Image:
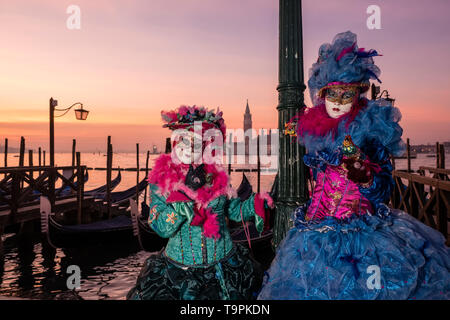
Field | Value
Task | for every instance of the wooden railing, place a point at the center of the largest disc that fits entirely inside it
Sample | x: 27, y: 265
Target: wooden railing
x: 425, y: 198
x: 18, y: 184
x: 437, y: 173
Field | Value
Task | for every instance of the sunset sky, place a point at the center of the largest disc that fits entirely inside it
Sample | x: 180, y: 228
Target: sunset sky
x: 133, y: 58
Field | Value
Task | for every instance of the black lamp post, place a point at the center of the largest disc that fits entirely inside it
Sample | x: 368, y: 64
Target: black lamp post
x: 377, y: 95
x: 292, y: 173
x: 80, y: 114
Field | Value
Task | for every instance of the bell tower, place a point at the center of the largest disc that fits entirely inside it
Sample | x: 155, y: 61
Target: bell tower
x: 247, y: 126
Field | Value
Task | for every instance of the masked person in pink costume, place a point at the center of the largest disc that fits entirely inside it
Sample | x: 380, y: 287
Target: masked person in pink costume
x: 190, y: 199
x: 347, y: 243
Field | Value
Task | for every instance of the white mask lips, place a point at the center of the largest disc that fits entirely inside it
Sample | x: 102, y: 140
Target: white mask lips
x: 336, y: 110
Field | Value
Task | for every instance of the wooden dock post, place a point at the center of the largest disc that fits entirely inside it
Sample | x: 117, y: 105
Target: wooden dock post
x: 168, y: 146
x: 30, y: 161
x: 43, y: 154
x: 108, y: 176
x: 22, y: 152
x: 230, y: 143
x: 40, y: 160
x: 146, y: 175
x: 437, y: 155
x: 74, y: 143
x: 408, y: 154
x: 22, y: 156
x: 51, y: 186
x: 80, y: 180
x: 441, y: 156
x: 6, y: 153
x: 26, y: 228
x: 258, y: 166
x: 137, y: 174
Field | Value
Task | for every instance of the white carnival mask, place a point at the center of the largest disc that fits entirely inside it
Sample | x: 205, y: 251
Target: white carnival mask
x: 335, y: 109
x: 339, y: 101
x: 189, y: 148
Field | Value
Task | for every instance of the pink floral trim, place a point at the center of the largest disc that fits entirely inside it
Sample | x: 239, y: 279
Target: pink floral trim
x: 209, y: 221
x: 176, y: 196
x: 169, y: 177
x: 316, y: 121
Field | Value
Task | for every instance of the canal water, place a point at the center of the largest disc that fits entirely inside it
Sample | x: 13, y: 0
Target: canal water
x: 33, y: 270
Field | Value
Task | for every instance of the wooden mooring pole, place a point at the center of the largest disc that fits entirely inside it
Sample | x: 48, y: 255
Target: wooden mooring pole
x: 437, y: 155
x: 108, y: 176
x: 258, y: 166
x: 80, y: 180
x: 146, y: 175
x: 22, y: 156
x: 30, y: 161
x: 408, y: 154
x: 40, y: 159
x: 168, y: 146
x: 22, y: 152
x: 230, y: 144
x: 6, y: 153
x: 137, y: 174
x: 441, y: 156
x: 74, y: 144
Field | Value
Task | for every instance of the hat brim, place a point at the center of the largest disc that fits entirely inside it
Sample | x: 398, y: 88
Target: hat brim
x: 363, y: 87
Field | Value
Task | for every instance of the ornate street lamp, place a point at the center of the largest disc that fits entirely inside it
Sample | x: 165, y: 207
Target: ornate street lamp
x: 377, y: 95
x: 80, y: 114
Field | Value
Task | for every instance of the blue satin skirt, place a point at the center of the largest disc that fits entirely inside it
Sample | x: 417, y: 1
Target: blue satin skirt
x: 390, y: 255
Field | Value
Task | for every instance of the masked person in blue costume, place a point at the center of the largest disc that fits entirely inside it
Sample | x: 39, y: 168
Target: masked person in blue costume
x: 347, y: 243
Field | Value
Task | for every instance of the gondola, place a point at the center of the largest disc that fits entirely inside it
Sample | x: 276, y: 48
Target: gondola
x: 117, y: 229
x: 100, y: 192
x: 67, y: 190
x: 123, y: 197
x: 7, y: 186
x: 148, y: 239
x: 246, y: 234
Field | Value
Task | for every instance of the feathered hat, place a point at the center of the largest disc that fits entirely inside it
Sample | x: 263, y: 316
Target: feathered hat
x: 342, y: 63
x: 185, y: 117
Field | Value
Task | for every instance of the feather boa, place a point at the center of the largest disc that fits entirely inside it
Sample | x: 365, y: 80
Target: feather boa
x: 170, y: 177
x: 316, y: 121
x: 379, y: 120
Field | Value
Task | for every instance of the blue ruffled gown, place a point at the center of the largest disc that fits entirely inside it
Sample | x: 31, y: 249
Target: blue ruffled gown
x: 378, y: 254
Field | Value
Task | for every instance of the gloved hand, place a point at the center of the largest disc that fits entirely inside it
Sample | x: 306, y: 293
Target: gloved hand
x: 358, y: 170
x: 195, y: 178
